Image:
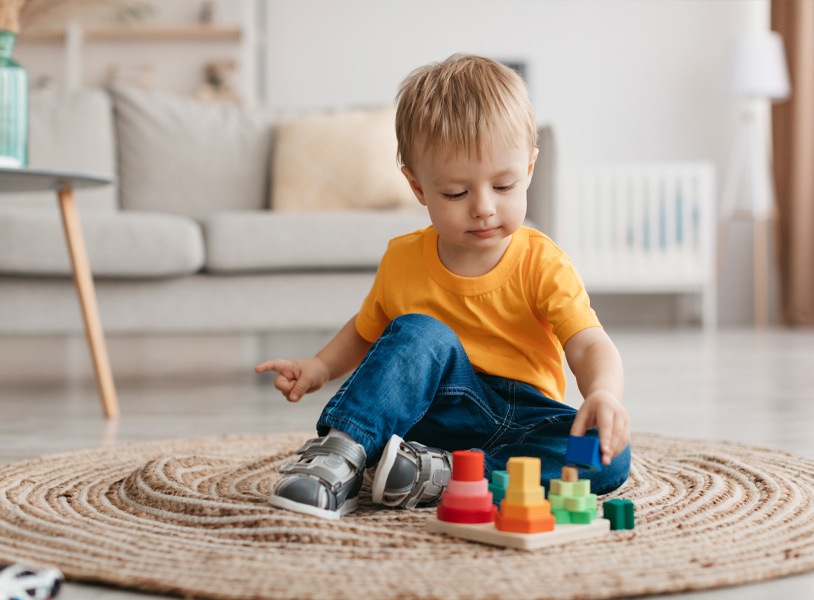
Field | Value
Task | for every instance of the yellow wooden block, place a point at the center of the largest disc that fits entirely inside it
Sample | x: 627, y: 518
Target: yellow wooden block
x: 525, y: 511
x: 524, y: 472
x: 525, y: 496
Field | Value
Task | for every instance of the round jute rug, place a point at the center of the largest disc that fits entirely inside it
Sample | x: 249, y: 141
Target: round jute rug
x: 189, y: 517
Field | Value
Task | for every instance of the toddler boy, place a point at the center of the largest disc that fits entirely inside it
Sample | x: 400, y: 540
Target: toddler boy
x: 459, y: 343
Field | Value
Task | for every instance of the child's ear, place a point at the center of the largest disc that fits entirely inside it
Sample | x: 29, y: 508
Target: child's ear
x: 415, y: 185
x: 531, y: 165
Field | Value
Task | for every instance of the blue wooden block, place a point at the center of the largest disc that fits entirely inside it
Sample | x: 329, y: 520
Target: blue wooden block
x: 583, y: 452
x: 620, y: 513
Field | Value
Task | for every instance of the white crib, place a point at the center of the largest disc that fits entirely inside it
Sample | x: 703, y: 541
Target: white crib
x: 642, y: 228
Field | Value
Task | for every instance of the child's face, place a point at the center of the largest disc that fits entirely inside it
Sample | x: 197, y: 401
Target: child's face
x: 475, y: 205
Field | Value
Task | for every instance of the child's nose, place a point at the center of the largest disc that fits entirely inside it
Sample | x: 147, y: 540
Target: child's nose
x: 482, y: 206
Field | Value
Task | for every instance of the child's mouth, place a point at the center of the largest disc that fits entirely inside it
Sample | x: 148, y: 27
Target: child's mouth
x: 484, y: 233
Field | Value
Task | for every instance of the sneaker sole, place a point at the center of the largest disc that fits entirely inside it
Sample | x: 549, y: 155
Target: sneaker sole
x: 348, y: 506
x: 391, y: 451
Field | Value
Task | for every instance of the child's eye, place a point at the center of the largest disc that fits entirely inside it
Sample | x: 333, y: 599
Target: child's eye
x: 454, y: 196
x: 504, y: 188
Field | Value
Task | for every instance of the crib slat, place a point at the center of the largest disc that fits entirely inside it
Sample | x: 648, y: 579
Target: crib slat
x: 653, y: 211
x: 604, y: 230
x: 688, y: 187
x: 644, y: 225
x: 669, y: 216
x: 638, y: 185
x: 621, y: 246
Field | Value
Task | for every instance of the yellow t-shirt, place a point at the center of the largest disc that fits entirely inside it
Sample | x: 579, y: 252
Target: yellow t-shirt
x: 512, y: 321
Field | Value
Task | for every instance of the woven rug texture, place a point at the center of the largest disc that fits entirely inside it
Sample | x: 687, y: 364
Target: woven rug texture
x: 189, y: 517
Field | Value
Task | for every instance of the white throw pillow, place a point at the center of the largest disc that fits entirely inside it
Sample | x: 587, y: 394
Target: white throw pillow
x: 339, y: 160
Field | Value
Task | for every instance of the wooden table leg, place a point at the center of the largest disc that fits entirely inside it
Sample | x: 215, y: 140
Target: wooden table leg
x: 87, y: 298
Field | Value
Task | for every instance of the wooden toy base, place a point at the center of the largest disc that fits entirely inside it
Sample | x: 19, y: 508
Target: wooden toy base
x: 487, y: 533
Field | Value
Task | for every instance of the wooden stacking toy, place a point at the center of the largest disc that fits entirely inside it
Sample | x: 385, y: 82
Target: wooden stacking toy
x: 467, y: 498
x: 572, y: 501
x: 524, y: 509
x: 525, y: 520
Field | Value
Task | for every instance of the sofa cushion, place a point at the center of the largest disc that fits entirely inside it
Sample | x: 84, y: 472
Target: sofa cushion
x: 338, y: 160
x: 70, y: 131
x: 249, y: 241
x: 183, y: 156
x: 119, y: 245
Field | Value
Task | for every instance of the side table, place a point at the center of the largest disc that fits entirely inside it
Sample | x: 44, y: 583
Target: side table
x: 16, y: 180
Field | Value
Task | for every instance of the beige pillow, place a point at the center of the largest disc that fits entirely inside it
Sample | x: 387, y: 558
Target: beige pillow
x: 335, y: 161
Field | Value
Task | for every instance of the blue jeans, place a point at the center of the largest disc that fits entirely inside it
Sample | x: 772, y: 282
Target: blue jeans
x: 417, y: 382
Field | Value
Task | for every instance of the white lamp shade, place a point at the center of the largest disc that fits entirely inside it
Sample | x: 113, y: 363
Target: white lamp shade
x: 759, y: 67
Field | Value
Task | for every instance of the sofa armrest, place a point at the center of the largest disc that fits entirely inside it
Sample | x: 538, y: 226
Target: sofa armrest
x: 543, y: 184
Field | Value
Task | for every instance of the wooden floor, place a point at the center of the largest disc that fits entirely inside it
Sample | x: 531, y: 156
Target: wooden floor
x: 743, y: 386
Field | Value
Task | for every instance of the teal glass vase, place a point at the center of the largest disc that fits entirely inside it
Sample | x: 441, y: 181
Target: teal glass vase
x: 13, y: 106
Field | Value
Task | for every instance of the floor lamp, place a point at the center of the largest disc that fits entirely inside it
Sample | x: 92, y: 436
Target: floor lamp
x: 758, y: 74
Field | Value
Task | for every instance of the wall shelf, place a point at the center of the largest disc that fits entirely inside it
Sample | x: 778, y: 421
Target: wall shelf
x: 81, y: 43
x: 143, y: 34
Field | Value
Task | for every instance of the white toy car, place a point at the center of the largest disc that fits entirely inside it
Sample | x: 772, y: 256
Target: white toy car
x: 22, y: 583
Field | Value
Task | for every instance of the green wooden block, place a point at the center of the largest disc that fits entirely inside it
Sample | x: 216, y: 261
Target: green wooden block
x: 581, y: 488
x: 498, y: 485
x: 561, y: 516
x: 590, y: 502
x: 575, y: 503
x: 500, y: 479
x: 561, y: 488
x: 585, y: 517
x: 620, y: 513
x: 498, y: 493
x: 557, y: 502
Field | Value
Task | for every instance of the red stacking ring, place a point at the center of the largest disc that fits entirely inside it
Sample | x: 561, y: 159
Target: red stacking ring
x: 467, y: 465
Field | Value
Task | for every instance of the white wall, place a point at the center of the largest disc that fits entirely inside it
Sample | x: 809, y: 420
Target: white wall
x: 619, y: 80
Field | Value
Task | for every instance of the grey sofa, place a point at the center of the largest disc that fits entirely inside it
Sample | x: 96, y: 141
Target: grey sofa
x: 185, y: 240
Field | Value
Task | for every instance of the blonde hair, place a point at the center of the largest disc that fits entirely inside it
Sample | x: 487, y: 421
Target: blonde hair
x: 461, y: 103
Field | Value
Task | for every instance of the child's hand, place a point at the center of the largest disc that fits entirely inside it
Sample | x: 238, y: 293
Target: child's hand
x: 603, y: 410
x: 296, y: 377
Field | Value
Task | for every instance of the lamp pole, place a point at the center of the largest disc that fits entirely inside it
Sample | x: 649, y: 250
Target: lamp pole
x: 759, y: 74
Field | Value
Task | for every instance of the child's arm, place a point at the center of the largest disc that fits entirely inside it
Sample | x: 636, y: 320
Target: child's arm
x: 597, y: 366
x: 298, y: 377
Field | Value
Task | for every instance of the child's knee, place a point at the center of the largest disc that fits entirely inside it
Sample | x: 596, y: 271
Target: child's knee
x: 422, y: 328
x: 612, y: 476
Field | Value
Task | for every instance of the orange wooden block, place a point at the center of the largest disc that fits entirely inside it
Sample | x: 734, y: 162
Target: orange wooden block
x: 525, y: 511
x: 524, y: 525
x: 570, y: 474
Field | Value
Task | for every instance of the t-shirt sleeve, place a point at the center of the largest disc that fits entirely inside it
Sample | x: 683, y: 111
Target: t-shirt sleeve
x: 562, y: 299
x: 372, y: 318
